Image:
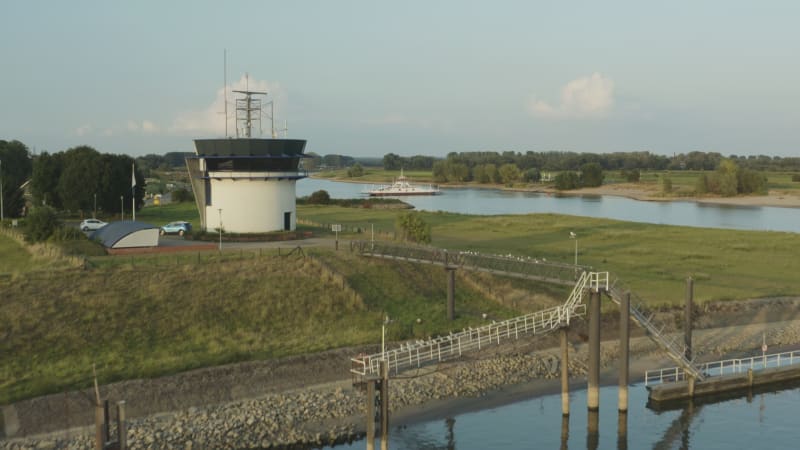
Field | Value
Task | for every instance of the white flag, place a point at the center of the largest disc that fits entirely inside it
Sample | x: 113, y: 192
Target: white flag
x: 133, y: 175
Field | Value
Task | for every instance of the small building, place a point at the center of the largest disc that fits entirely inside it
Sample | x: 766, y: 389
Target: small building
x: 127, y: 234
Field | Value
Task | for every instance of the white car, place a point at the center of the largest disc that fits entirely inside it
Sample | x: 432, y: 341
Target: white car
x: 92, y: 224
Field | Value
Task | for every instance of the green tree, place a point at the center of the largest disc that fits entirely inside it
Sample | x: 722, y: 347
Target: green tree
x: 531, y: 175
x: 41, y: 223
x: 413, y: 228
x: 80, y: 178
x: 182, y: 195
x: 15, y: 169
x: 355, y: 171
x: 567, y: 180
x: 509, y: 173
x: 391, y: 161
x: 320, y: 197
x: 44, y: 182
x: 591, y: 175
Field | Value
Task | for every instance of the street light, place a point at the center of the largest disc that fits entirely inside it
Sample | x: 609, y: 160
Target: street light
x: 122, y: 208
x: 572, y: 235
x: 95, y: 207
x: 383, y: 336
x: 220, y: 228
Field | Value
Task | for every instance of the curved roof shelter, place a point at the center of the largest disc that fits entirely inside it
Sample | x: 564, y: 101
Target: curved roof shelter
x: 127, y: 234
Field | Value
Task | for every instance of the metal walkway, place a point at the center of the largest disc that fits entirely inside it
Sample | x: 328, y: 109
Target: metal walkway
x: 513, y: 266
x: 671, y: 345
x: 422, y: 352
x: 724, y: 367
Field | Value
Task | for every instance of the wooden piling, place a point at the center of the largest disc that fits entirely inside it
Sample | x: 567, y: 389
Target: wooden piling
x: 384, y: 405
x: 99, y: 427
x: 122, y: 428
x: 564, y: 432
x: 451, y: 294
x: 593, y: 391
x: 687, y: 326
x: 371, y: 414
x: 593, y: 430
x: 564, y: 373
x: 624, y: 352
x: 622, y: 430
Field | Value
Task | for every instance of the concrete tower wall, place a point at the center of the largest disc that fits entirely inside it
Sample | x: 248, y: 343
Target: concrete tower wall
x: 252, y: 206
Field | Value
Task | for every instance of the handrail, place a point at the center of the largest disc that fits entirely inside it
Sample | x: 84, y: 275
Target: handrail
x: 725, y: 367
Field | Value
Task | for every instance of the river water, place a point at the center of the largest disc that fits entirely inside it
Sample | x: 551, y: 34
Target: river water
x: 755, y: 421
x: 496, y: 201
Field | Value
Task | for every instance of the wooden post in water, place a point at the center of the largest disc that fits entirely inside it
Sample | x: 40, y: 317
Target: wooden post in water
x: 564, y: 432
x: 687, y: 327
x: 593, y: 392
x: 451, y: 293
x: 371, y: 414
x: 384, y: 405
x: 593, y: 430
x: 624, y: 353
x: 564, y: 373
x: 122, y: 429
x: 622, y: 431
x: 99, y: 427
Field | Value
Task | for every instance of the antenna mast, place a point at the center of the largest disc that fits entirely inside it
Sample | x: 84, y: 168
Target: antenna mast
x: 248, y: 109
x: 225, y: 85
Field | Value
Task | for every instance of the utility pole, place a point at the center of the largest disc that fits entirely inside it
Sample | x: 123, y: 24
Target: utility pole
x: 220, y: 229
x: 2, y: 209
x: 122, y: 208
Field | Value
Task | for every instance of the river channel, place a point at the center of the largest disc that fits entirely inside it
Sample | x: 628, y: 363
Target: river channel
x: 497, y: 201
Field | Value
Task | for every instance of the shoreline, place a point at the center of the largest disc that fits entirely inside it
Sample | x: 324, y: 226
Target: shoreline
x: 775, y: 198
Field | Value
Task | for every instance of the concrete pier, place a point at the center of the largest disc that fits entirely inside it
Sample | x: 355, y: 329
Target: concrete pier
x: 564, y: 373
x: 624, y: 353
x: 593, y: 392
x: 564, y: 432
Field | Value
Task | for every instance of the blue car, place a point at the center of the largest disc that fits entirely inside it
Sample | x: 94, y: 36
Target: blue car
x: 179, y: 228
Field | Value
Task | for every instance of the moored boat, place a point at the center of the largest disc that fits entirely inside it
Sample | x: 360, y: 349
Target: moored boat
x: 402, y: 186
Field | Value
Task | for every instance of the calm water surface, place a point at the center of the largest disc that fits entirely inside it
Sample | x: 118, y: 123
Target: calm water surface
x: 759, y: 421
x: 495, y: 201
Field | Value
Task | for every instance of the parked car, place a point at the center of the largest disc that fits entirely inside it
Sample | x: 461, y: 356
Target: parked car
x: 92, y: 224
x: 179, y: 227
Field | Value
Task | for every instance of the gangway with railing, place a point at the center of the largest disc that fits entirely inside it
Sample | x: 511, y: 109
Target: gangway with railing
x: 669, y: 344
x: 724, y: 367
x: 422, y: 352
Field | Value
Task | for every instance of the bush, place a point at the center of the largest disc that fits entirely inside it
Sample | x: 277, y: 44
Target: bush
x: 666, y: 184
x: 355, y: 171
x: 413, y: 228
x: 796, y: 177
x: 320, y: 197
x: 631, y: 176
x: 567, y: 180
x: 182, y: 195
x: 42, y: 222
x: 591, y: 175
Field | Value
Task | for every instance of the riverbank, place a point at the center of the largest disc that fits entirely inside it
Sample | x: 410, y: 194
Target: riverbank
x: 310, y: 401
x: 635, y: 191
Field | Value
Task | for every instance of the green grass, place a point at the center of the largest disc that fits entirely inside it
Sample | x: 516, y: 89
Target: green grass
x: 14, y: 257
x: 653, y: 260
x: 151, y: 316
x: 171, y: 212
x: 377, y: 175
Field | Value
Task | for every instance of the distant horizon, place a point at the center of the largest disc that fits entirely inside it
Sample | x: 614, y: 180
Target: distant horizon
x: 409, y: 78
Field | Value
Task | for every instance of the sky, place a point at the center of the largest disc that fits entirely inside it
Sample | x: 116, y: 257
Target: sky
x: 366, y: 78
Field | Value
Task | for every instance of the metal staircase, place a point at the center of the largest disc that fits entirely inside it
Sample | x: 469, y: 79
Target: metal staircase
x: 670, y: 345
x: 422, y: 352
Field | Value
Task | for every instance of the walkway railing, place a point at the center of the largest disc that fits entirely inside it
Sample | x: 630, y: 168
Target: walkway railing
x: 521, y: 267
x: 724, y: 367
x: 419, y: 353
x: 670, y: 344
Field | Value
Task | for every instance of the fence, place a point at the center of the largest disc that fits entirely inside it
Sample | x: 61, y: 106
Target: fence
x: 724, y: 367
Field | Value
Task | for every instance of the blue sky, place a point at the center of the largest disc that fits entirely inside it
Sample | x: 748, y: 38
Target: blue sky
x: 365, y: 78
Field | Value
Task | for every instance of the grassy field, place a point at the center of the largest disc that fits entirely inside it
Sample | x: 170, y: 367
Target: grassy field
x: 171, y: 212
x: 654, y: 260
x: 150, y: 316
x: 377, y: 175
x: 14, y: 257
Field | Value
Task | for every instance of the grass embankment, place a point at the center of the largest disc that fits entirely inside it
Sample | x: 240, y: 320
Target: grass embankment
x: 654, y: 260
x: 162, y: 315
x: 171, y: 212
x: 14, y: 257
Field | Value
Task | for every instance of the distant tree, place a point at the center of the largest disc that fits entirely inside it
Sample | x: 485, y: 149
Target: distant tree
x: 15, y: 167
x: 320, y: 197
x: 439, y: 171
x: 567, y: 180
x: 41, y: 223
x: 531, y: 175
x: 479, y: 174
x: 391, y: 161
x: 182, y: 195
x: 591, y: 175
x: 355, y: 171
x: 509, y: 173
x: 666, y: 184
x: 631, y: 176
x: 413, y: 228
x: 44, y: 181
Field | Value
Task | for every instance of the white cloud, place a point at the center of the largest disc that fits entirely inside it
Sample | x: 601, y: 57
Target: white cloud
x: 83, y: 130
x: 210, y: 120
x: 591, y: 96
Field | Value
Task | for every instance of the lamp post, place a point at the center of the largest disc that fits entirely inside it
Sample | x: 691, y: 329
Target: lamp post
x: 122, y: 208
x: 574, y: 236
x: 94, y: 216
x: 383, y: 336
x: 220, y: 228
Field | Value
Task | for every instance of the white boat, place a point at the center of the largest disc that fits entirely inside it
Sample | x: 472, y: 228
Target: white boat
x: 401, y: 186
